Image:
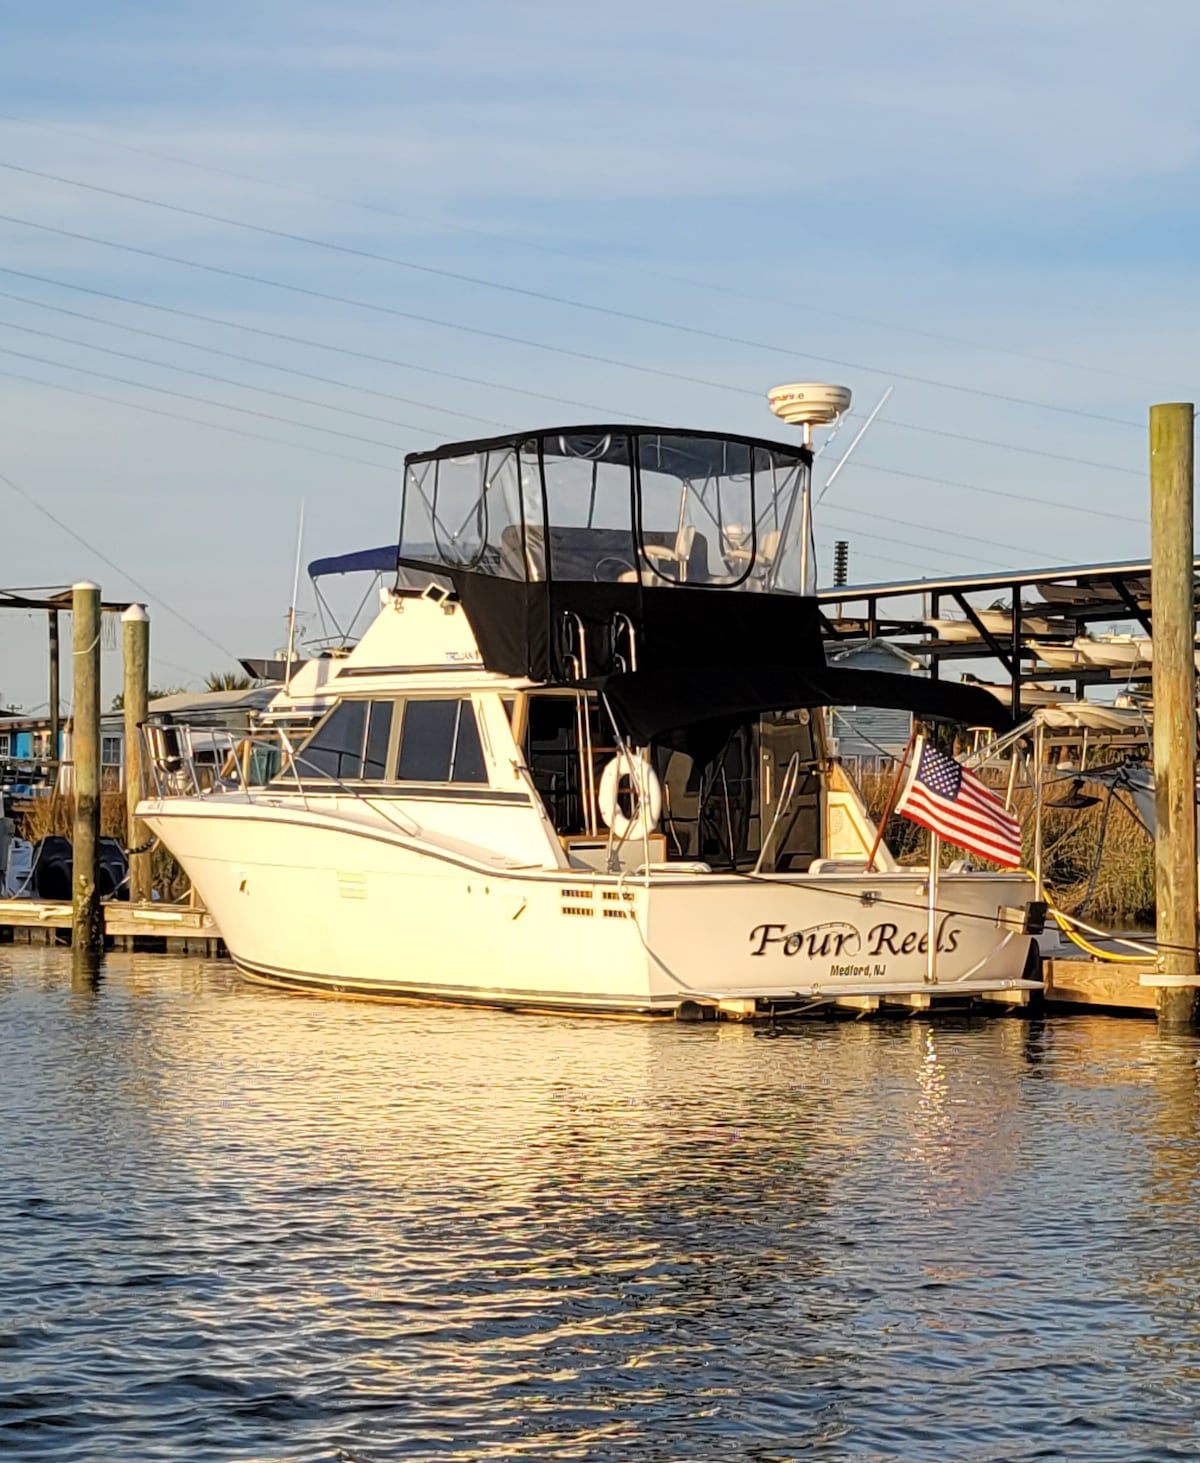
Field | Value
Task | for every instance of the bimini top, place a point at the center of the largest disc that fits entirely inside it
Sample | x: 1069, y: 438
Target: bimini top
x: 611, y: 505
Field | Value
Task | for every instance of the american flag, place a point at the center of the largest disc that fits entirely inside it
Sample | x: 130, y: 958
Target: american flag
x: 944, y: 797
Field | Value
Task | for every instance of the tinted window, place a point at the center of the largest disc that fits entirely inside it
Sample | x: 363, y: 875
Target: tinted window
x: 427, y: 741
x: 440, y: 743
x: 468, y: 753
x: 335, y: 749
x: 379, y: 731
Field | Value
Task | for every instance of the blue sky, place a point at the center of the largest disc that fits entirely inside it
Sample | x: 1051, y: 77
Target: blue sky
x: 1001, y: 202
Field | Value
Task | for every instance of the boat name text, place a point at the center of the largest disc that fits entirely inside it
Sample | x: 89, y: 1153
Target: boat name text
x: 838, y: 939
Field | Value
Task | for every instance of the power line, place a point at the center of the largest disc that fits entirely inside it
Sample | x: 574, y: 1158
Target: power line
x: 197, y: 421
x: 542, y: 247
x: 222, y: 380
x: 887, y: 559
x: 968, y: 487
x: 546, y: 297
x: 606, y: 412
x: 202, y: 400
x: 362, y: 462
x: 1010, y: 447
x: 909, y: 544
x: 104, y: 559
x: 372, y: 305
x: 183, y: 670
x: 865, y: 514
x: 423, y: 319
x: 1042, y: 502
x: 236, y: 356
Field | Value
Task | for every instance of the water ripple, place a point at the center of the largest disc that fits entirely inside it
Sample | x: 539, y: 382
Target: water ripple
x: 236, y: 1225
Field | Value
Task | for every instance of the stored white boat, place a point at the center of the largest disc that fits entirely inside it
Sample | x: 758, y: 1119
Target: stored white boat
x: 580, y: 768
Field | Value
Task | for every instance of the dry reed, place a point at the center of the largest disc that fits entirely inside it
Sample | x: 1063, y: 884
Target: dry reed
x: 44, y: 817
x: 1111, y: 885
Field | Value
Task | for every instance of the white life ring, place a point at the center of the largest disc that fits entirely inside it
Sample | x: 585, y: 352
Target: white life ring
x: 646, y: 788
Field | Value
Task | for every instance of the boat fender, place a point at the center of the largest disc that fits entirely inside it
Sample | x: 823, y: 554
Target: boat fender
x: 645, y: 786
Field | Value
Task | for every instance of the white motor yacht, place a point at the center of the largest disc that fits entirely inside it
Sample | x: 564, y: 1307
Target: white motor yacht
x: 577, y: 763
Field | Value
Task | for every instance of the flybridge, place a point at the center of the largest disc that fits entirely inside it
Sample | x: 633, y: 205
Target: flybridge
x: 644, y: 506
x: 666, y: 567
x: 592, y: 551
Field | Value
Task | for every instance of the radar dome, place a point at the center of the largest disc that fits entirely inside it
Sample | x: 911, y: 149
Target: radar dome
x: 809, y: 403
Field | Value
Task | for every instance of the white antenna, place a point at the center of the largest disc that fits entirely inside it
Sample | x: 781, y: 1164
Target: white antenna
x: 858, y: 436
x: 287, y: 679
x: 808, y: 404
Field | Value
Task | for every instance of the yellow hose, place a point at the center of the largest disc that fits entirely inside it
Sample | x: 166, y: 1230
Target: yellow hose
x: 1062, y: 921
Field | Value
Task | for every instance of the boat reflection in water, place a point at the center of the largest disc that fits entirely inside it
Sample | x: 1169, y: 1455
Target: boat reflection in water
x: 241, y: 1226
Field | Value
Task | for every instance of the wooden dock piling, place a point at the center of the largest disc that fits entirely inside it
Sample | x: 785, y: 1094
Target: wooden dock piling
x: 87, y: 924
x: 1174, y: 670
x: 135, y: 636
x: 55, y: 691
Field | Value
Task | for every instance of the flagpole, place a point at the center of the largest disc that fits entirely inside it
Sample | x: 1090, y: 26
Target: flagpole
x: 891, y: 798
x: 935, y: 850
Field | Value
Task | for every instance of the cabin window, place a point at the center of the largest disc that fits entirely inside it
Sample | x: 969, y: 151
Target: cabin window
x: 351, y: 744
x: 5, y: 747
x: 335, y: 748
x: 264, y: 762
x: 379, y: 736
x: 439, y: 742
x: 110, y: 751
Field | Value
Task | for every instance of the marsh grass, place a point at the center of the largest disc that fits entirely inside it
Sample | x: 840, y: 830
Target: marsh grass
x: 42, y: 817
x: 1115, y: 893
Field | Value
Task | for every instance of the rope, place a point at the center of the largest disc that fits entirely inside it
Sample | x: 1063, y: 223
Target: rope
x: 87, y: 649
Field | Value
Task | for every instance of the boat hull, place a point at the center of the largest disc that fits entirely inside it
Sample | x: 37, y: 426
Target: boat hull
x: 315, y: 904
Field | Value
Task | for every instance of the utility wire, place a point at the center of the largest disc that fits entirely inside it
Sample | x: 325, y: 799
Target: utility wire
x: 459, y: 277
x: 272, y: 417
x: 924, y: 568
x: 858, y: 462
x: 606, y: 412
x: 1042, y: 502
x: 377, y: 308
x: 176, y: 416
x: 202, y: 400
x: 910, y: 544
x: 1012, y: 447
x: 222, y: 380
x: 235, y: 356
x: 864, y: 514
x: 868, y: 513
x: 429, y: 370
x: 573, y: 254
x: 104, y: 559
x: 183, y: 670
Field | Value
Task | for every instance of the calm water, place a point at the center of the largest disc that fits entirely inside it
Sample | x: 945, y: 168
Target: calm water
x: 241, y: 1225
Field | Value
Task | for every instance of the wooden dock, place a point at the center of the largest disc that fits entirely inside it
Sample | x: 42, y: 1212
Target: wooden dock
x: 177, y: 928
x: 1098, y: 985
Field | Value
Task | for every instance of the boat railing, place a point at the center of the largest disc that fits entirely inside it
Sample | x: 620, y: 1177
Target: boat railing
x: 187, y: 762
x: 192, y: 761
